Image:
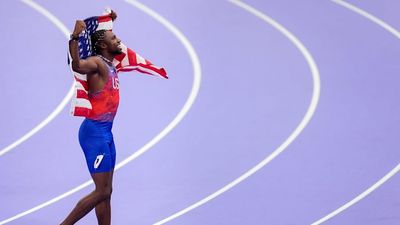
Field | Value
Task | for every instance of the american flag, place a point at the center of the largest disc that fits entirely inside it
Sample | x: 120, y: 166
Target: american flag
x: 127, y: 61
x: 92, y: 25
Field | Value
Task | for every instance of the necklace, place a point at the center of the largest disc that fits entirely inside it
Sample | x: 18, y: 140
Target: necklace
x: 111, y: 65
x: 105, y: 59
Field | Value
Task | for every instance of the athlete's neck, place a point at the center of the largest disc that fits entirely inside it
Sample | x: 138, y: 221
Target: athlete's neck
x: 107, y: 57
x: 108, y: 60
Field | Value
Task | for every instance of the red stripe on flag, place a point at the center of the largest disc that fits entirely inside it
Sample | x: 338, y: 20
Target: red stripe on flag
x: 84, y: 83
x: 161, y: 71
x: 104, y: 18
x: 132, y: 57
x: 80, y: 111
x: 82, y: 94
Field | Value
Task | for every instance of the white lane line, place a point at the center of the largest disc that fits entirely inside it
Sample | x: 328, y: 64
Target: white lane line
x: 369, y: 16
x: 185, y: 109
x: 196, y: 81
x: 395, y: 170
x: 65, y: 100
x: 359, y: 197
x: 306, y: 119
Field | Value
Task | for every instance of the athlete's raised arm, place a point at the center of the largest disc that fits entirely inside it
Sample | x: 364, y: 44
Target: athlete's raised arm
x: 83, y: 66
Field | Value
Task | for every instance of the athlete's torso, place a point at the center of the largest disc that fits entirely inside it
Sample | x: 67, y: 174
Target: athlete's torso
x: 105, y: 102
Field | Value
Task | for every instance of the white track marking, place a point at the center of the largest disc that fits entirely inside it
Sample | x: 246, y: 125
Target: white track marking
x: 306, y: 119
x: 395, y: 170
x: 359, y: 197
x: 185, y: 109
x: 369, y: 16
x: 196, y: 81
x: 65, y: 100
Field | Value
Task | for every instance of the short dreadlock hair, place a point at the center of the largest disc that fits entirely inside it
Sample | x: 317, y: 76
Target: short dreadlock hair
x: 96, y: 38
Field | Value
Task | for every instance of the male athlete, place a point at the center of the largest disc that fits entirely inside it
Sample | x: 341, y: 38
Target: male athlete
x: 100, y: 105
x: 95, y: 135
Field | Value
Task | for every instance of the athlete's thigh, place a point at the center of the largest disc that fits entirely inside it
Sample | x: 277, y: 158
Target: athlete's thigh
x: 103, y: 180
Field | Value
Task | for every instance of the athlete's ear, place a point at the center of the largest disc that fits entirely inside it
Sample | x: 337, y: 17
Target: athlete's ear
x: 102, y: 45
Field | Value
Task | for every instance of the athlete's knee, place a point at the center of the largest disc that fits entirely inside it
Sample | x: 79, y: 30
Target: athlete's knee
x: 104, y: 193
x: 109, y: 192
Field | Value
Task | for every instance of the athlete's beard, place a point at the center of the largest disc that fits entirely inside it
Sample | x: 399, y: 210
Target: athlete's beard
x: 116, y: 52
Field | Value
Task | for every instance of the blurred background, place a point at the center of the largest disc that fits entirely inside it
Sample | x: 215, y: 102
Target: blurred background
x: 275, y: 113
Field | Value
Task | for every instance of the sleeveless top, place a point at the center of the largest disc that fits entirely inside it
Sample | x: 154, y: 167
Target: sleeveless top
x: 105, y: 102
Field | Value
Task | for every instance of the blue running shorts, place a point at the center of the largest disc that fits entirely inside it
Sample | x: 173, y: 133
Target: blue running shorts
x: 97, y: 142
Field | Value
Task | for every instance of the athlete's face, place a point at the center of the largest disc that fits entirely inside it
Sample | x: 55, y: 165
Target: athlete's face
x: 113, y: 43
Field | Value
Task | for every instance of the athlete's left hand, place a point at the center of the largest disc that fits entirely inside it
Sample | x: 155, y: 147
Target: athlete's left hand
x: 113, y: 15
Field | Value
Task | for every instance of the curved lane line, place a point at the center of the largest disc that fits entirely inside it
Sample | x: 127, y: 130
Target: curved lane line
x: 306, y: 119
x: 396, y: 169
x: 65, y: 100
x: 196, y: 81
x: 185, y: 109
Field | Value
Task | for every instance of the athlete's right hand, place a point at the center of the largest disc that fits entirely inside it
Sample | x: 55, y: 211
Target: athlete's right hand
x: 79, y: 27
